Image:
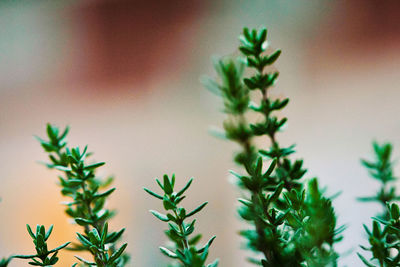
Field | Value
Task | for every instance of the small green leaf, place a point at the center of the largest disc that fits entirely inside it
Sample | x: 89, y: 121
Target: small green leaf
x: 395, y: 212
x: 365, y: 261
x: 167, y: 185
x: 24, y: 256
x: 104, y: 194
x: 152, y: 193
x: 94, y: 236
x: 160, y: 216
x: 94, y: 166
x: 83, y: 221
x: 85, y: 261
x: 60, y: 247
x: 272, y: 58
x: 185, y: 187
x: 49, y: 232
x: 208, y: 244
x: 30, y: 232
x: 113, y: 237
x: 84, y: 240
x: 104, y: 233
x: 196, y: 210
x: 214, y: 264
x: 63, y: 168
x: 118, y: 253
x: 168, y: 253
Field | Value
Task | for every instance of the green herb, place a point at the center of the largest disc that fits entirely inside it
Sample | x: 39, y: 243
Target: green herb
x: 179, y: 232
x: 384, y: 240
x: 5, y: 261
x: 312, y: 218
x: 80, y: 183
x: 381, y: 169
x: 291, y: 226
x: 43, y: 256
x: 291, y: 222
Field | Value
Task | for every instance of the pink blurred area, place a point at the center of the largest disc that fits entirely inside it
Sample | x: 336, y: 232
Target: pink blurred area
x: 125, y: 76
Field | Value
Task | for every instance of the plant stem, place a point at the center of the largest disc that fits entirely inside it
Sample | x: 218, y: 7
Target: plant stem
x: 246, y: 144
x: 185, y: 242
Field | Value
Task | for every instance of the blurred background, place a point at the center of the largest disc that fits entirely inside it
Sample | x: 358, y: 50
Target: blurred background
x: 125, y: 76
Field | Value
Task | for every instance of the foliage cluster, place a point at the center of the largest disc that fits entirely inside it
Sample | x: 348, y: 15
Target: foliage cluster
x: 290, y: 222
x: 42, y: 256
x: 291, y: 225
x: 80, y: 183
x: 381, y: 169
x: 184, y: 248
x: 384, y: 242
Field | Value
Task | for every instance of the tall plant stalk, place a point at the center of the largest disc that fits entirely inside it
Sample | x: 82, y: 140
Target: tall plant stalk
x: 291, y: 225
x: 87, y: 208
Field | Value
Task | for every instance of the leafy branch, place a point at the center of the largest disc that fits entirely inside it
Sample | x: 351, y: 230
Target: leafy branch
x: 184, y: 250
x: 281, y: 226
x: 87, y: 207
x: 384, y: 242
x: 5, y: 261
x: 381, y: 169
x: 43, y: 256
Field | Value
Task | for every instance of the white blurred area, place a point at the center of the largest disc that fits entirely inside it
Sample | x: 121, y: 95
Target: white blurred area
x: 125, y: 76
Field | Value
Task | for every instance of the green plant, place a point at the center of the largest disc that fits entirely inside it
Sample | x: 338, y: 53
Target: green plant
x: 184, y: 249
x: 292, y: 226
x: 88, y: 204
x: 381, y: 169
x: 291, y: 223
x: 384, y: 242
x: 4, y: 262
x: 43, y: 256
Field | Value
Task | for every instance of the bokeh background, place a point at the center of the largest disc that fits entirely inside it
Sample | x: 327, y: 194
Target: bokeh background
x: 125, y: 76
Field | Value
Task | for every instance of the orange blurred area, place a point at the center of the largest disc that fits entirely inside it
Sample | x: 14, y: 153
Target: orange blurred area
x: 125, y: 76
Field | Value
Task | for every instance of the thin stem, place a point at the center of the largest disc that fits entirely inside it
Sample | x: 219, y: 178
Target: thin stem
x: 185, y: 242
x: 89, y: 210
x: 264, y: 92
x: 271, y: 136
x: 246, y: 144
x: 268, y: 254
x: 99, y: 257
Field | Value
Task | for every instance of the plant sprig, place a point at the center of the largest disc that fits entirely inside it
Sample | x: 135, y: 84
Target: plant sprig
x: 97, y: 243
x: 384, y: 240
x: 43, y: 256
x: 312, y: 219
x: 254, y: 44
x: 87, y: 207
x: 179, y: 232
x: 381, y: 169
x: 281, y: 227
x: 5, y: 261
x: 384, y: 243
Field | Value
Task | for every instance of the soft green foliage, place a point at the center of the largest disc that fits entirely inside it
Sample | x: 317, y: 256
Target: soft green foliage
x: 96, y: 242
x: 179, y: 232
x: 291, y: 223
x: 5, y: 261
x: 384, y: 243
x: 87, y: 207
x: 43, y: 256
x: 381, y: 169
x: 313, y: 217
x: 291, y: 226
x: 384, y: 240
